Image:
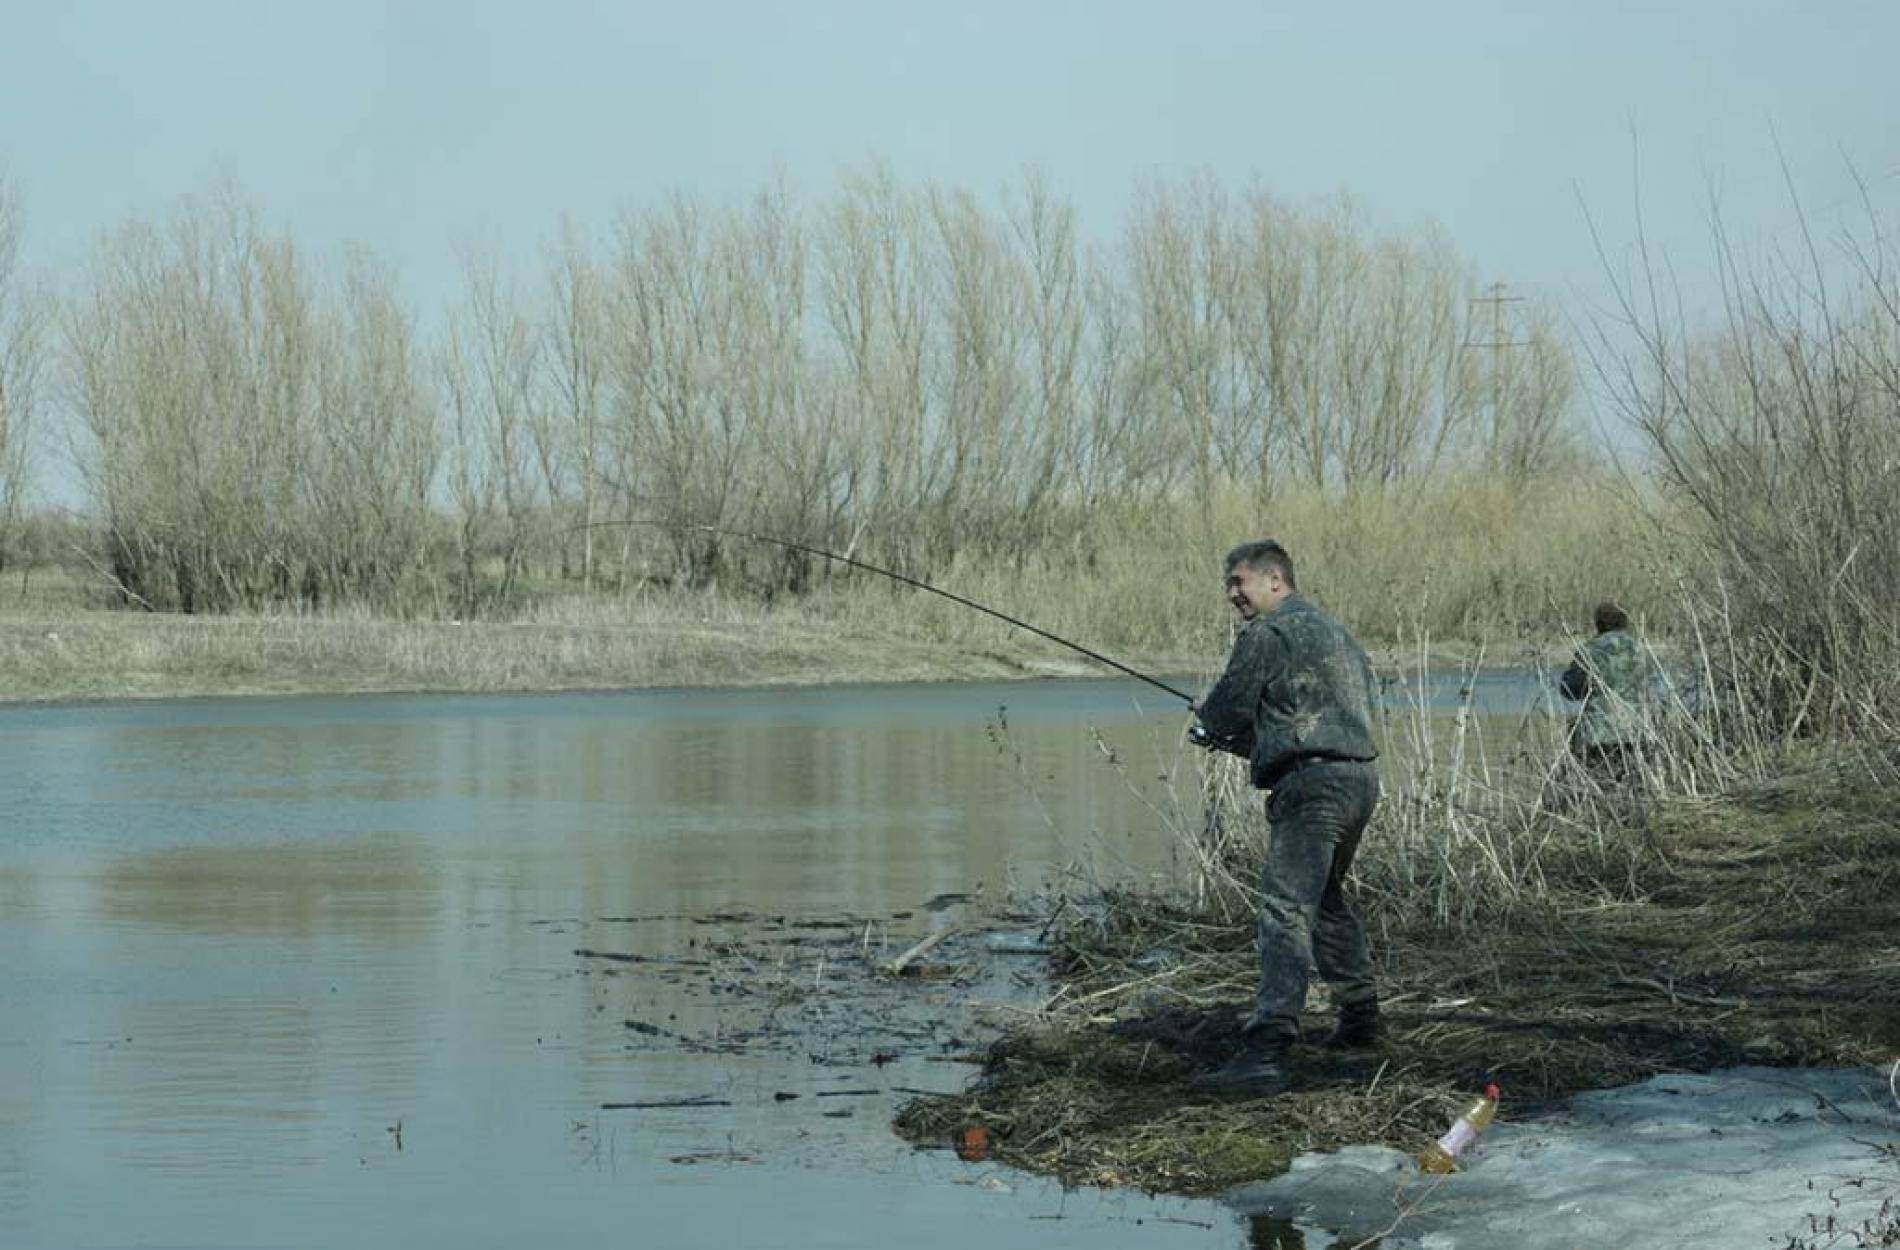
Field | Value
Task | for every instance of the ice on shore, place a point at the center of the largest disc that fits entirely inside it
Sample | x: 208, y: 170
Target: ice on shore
x: 1735, y: 1158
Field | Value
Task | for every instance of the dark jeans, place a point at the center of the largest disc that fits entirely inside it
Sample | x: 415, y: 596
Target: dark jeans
x: 1611, y: 763
x: 1606, y: 777
x: 1315, y: 815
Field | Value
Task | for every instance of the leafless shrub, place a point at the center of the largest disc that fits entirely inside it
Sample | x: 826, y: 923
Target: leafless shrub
x: 250, y: 439
x: 1777, y: 434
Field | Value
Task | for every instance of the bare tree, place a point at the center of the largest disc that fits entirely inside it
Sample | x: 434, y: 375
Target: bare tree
x: 876, y: 299
x: 491, y: 366
x: 980, y: 428
x: 1180, y: 260
x: 371, y: 486
x: 675, y: 330
x: 577, y: 360
x: 193, y: 366
x: 1057, y: 310
x: 23, y: 315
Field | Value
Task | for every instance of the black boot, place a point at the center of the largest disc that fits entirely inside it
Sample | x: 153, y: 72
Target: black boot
x: 1360, y: 1027
x: 1259, y: 1068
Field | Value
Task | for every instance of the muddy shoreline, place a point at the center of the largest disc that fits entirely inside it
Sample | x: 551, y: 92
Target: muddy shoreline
x: 87, y: 657
x: 857, y: 1013
x: 1070, y: 1026
x: 1758, y: 931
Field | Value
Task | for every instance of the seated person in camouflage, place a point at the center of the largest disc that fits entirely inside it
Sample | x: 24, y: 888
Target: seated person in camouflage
x: 1296, y: 701
x: 1610, y: 677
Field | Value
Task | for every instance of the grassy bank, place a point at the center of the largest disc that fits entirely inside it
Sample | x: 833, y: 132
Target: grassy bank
x: 1467, y: 564
x: 1754, y: 928
x: 48, y: 655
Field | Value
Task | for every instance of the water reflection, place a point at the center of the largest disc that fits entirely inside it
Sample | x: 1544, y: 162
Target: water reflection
x: 1271, y: 1232
x: 375, y: 886
x: 247, y: 938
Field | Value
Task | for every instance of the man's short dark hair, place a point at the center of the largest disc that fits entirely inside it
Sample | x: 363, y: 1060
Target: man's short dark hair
x: 1262, y: 556
x: 1609, y: 617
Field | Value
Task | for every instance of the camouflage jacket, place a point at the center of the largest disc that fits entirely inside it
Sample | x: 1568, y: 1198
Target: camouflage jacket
x: 1611, y: 678
x: 1296, y: 687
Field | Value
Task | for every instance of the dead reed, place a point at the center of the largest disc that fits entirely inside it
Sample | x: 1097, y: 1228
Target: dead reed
x: 1550, y: 943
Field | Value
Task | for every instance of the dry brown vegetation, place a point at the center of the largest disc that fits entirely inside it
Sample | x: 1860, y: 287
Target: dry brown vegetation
x: 1775, y: 433
x: 660, y: 639
x: 1751, y: 928
x: 1738, y: 906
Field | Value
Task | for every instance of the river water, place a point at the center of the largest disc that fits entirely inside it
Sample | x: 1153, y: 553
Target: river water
x: 305, y: 971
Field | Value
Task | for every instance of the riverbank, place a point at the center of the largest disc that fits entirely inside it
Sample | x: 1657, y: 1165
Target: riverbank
x: 1752, y: 929
x: 47, y: 657
x: 69, y: 654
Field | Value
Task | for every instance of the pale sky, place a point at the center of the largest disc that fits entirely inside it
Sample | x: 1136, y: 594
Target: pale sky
x: 414, y: 126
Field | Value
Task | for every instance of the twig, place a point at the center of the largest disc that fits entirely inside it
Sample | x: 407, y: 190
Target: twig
x: 896, y: 966
x: 1677, y: 996
x: 1400, y: 1218
x: 118, y: 585
x: 622, y: 957
x: 1121, y: 987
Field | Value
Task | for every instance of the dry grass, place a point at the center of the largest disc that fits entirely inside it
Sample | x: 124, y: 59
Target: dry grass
x: 686, y: 641
x: 1754, y: 928
x: 1503, y: 567
x: 1467, y: 558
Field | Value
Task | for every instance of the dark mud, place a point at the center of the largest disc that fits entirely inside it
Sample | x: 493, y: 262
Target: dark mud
x: 842, y: 993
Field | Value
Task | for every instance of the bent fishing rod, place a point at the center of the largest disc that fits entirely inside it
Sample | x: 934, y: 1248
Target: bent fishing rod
x: 820, y: 552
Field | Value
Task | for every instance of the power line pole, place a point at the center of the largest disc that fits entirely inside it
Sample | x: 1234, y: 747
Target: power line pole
x: 1497, y: 299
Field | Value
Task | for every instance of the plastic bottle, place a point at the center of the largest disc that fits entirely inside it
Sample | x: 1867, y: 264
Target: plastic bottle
x: 1441, y: 1155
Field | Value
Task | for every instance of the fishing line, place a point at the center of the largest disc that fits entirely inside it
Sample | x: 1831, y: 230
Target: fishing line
x: 820, y: 552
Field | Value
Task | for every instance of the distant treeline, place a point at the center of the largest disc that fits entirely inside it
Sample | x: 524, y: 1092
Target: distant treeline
x: 934, y: 382
x: 902, y: 372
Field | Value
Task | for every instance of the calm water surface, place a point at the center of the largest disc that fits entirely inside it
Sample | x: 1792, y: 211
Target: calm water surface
x: 245, y: 939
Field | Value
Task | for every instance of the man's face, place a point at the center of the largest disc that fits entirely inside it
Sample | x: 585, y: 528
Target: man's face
x: 1253, y: 591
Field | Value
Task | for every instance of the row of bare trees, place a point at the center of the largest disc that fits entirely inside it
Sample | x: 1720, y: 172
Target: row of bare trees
x: 903, y: 373
x: 1295, y: 343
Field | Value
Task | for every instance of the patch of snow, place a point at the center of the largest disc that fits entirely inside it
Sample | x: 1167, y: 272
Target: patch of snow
x: 1736, y: 1158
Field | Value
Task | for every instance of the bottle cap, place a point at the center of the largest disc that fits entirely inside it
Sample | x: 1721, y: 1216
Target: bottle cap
x: 1492, y: 1092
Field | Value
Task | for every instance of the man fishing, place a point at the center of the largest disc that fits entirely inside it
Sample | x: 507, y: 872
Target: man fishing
x: 1296, y: 700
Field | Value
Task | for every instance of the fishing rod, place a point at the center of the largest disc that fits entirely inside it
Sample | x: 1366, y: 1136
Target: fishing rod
x: 820, y: 552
